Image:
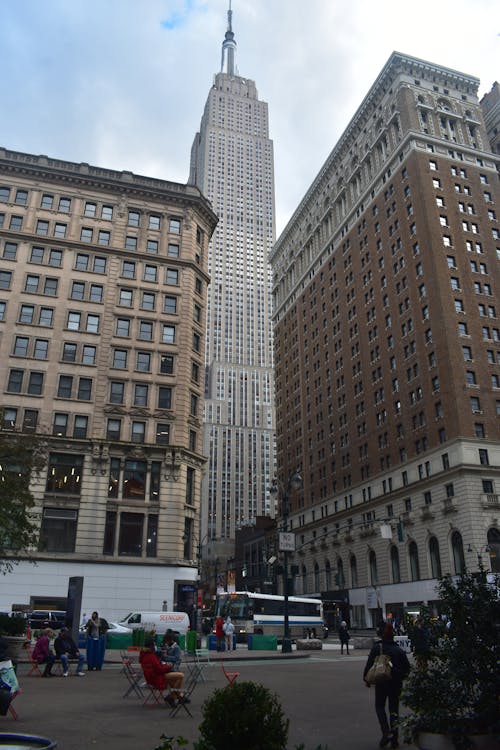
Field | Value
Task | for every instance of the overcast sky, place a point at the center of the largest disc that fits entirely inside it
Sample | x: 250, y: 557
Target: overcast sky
x: 122, y: 83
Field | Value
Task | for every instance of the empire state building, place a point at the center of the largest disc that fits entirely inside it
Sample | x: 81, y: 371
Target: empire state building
x: 233, y: 165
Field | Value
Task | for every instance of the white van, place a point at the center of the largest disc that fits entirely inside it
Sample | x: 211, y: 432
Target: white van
x: 160, y: 622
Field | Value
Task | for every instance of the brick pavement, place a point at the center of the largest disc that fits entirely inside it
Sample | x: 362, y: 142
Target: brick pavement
x: 322, y: 694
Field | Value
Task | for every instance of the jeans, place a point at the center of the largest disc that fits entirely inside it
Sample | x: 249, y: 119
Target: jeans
x: 65, y: 661
x: 388, y: 691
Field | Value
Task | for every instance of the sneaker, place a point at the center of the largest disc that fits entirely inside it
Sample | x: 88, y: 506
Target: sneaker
x: 81, y: 674
x: 65, y: 674
x: 170, y: 701
x: 184, y: 699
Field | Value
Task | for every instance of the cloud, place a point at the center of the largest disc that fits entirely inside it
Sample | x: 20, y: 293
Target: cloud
x: 123, y: 85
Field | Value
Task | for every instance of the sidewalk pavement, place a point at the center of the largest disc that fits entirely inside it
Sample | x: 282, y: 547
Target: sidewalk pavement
x: 321, y: 692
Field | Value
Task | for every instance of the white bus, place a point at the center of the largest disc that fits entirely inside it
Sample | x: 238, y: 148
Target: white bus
x: 262, y: 614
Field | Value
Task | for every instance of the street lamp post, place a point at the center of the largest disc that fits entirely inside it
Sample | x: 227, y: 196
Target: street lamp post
x: 286, y: 543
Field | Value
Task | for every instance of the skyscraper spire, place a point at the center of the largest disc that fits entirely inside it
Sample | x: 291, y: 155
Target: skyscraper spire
x: 229, y: 47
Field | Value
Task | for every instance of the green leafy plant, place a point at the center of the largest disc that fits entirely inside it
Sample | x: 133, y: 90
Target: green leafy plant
x: 455, y: 690
x: 246, y: 716
x: 171, y: 743
x: 13, y: 626
x: 22, y: 458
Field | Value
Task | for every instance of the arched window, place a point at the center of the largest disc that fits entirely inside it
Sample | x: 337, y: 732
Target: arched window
x: 435, y: 557
x: 340, y: 573
x: 317, y: 583
x: 414, y: 563
x: 457, y: 548
x: 304, y: 579
x: 396, y: 572
x: 494, y: 545
x: 354, y: 571
x: 328, y: 575
x: 373, y: 568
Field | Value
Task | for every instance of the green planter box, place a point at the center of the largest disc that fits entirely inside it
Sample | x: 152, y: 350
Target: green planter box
x: 262, y: 643
x: 119, y: 640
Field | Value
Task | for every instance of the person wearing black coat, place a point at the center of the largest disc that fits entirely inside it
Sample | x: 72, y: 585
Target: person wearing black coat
x: 390, y: 690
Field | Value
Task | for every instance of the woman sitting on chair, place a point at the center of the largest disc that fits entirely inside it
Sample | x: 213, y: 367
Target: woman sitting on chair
x: 161, y: 675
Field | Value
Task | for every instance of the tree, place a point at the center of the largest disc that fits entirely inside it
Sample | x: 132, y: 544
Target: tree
x: 22, y: 457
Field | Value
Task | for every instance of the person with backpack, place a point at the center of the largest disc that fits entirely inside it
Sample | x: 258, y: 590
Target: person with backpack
x: 388, y: 686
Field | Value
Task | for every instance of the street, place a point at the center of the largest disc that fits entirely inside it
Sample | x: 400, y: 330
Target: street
x: 323, y: 695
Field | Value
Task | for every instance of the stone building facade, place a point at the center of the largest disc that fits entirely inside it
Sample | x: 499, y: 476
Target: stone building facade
x: 387, y: 348
x: 103, y: 287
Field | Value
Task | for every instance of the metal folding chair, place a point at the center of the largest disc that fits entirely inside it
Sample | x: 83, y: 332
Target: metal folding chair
x: 134, y: 678
x: 201, y: 662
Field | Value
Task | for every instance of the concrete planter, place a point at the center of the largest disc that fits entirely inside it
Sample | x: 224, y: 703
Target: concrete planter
x: 15, y: 647
x: 432, y: 741
x: 28, y: 741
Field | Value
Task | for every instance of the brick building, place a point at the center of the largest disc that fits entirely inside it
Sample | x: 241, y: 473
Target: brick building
x: 103, y: 285
x: 387, y: 348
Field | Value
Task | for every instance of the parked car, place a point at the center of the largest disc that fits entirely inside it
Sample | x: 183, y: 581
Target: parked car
x: 114, y: 628
x: 47, y: 618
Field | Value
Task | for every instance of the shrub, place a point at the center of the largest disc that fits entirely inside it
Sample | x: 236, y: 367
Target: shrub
x: 15, y: 625
x: 246, y: 716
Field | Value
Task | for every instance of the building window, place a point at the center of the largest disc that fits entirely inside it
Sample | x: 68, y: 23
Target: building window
x: 151, y: 536
x: 65, y: 386
x: 5, y: 279
x: 21, y: 344
x: 190, y: 485
x: 60, y: 425
x: 107, y: 213
x: 126, y: 297
x: 84, y: 392
x: 123, y: 327
x: 113, y: 430
x: 138, y: 432
x: 15, y: 382
x: 64, y: 473
x: 134, y: 480
x: 484, y: 457
x: 162, y: 433
x: 89, y: 354
x: 174, y: 226
x: 120, y: 359
x: 395, y: 568
x: 90, y: 209
x: 172, y: 276
x: 41, y: 349
x: 116, y: 392
x: 143, y: 362
x: 150, y: 272
x: 108, y: 547
x: 42, y: 227
x: 86, y: 234
x: 414, y: 562
x: 80, y: 427
x: 104, y: 237
x: 170, y: 305
x: 435, y: 557
x: 168, y: 334
x: 134, y: 218
x: 58, y: 530
x: 64, y: 205
x: 131, y: 243
x: 145, y: 330
x: 194, y: 405
x: 141, y: 392
x: 154, y: 222
x: 10, y: 250
x: 148, y: 301
x: 35, y: 383
x: 373, y: 568
x: 131, y: 530
x: 353, y: 564
x: 69, y: 352
x: 164, y: 397
x: 47, y: 201
x: 60, y: 230
x: 457, y: 548
x: 154, y: 481
x: 166, y: 364
x: 173, y: 250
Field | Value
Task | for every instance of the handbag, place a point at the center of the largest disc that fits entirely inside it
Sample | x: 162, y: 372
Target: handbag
x: 381, y: 669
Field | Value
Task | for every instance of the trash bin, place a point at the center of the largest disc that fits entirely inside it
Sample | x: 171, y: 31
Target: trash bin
x: 191, y: 641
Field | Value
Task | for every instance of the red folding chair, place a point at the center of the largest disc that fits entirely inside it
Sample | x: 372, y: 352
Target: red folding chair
x: 34, y: 670
x: 231, y: 677
x: 11, y: 710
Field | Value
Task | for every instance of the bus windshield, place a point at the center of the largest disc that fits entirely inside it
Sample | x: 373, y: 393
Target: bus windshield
x: 237, y: 606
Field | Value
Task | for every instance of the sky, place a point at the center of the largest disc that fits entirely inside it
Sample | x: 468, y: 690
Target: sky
x: 122, y: 84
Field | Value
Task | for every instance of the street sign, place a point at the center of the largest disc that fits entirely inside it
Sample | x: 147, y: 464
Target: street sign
x: 286, y: 541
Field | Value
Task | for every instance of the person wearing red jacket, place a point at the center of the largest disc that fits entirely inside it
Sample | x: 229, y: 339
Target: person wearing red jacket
x: 160, y: 675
